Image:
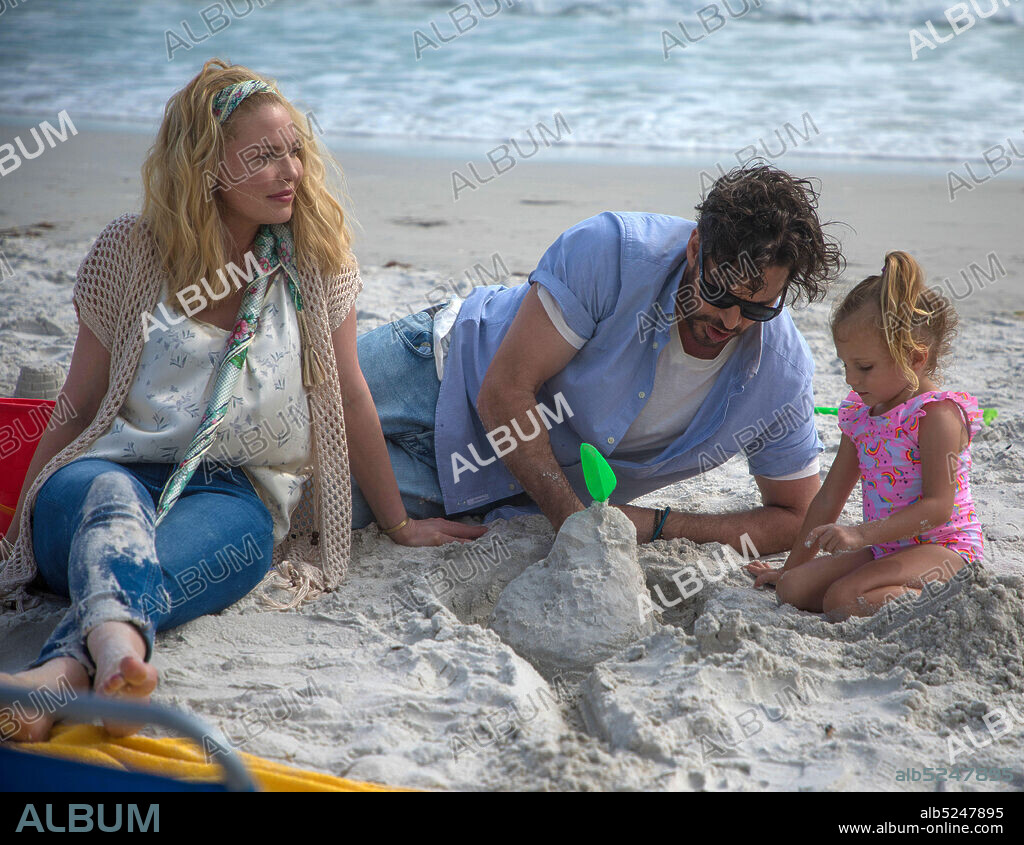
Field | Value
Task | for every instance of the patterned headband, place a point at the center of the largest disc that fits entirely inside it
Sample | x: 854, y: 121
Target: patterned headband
x: 228, y: 99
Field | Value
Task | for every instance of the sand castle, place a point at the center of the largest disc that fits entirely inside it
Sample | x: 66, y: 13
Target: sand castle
x: 577, y: 606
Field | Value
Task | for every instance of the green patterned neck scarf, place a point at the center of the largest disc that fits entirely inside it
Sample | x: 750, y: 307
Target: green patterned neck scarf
x: 274, y: 251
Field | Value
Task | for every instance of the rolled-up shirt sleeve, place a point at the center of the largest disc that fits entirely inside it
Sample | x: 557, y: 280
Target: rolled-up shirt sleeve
x: 788, y: 445
x: 554, y: 312
x: 582, y: 272
x: 813, y: 468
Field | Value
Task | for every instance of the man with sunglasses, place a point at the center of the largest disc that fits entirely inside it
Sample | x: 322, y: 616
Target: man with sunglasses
x: 663, y: 342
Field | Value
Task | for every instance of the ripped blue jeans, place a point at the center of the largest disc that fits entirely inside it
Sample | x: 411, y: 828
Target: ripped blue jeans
x: 95, y: 543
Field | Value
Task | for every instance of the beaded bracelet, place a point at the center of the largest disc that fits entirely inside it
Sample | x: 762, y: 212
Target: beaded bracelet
x: 661, y: 522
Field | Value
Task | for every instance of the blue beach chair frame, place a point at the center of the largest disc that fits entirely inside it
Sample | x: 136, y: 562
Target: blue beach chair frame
x: 26, y: 771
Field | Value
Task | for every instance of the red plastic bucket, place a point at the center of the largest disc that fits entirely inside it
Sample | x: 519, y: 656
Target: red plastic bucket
x: 22, y: 423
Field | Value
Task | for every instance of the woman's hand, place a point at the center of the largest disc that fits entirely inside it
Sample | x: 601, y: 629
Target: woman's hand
x: 834, y: 538
x: 436, y: 532
x: 764, y: 573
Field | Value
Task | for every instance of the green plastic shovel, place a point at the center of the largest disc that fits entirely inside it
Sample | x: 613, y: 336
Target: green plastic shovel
x: 599, y: 476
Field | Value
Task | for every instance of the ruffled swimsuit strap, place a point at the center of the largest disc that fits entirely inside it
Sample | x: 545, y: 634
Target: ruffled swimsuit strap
x: 968, y: 405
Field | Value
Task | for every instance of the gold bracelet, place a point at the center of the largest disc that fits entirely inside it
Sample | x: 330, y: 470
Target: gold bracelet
x: 398, y: 527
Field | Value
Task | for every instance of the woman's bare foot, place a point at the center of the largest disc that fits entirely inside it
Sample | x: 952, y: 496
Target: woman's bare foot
x: 119, y: 652
x: 30, y: 718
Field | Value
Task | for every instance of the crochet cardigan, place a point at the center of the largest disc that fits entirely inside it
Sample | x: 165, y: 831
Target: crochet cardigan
x: 120, y: 279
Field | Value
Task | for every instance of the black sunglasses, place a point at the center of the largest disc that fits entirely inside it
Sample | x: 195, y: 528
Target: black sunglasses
x: 721, y: 298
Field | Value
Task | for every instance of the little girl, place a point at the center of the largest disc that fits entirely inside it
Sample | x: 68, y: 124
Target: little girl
x: 910, y: 445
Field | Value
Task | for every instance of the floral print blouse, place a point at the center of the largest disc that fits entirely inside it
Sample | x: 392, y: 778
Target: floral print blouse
x: 266, y: 430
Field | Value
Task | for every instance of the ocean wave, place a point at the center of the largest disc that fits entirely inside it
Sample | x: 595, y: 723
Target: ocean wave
x: 356, y: 65
x: 909, y: 12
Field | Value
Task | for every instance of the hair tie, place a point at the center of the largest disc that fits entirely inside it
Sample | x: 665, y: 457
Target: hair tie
x: 228, y: 99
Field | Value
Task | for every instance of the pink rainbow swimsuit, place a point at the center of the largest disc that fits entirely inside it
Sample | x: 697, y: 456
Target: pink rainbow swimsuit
x: 890, y: 468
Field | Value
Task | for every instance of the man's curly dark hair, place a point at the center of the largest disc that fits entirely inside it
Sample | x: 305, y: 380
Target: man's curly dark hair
x: 761, y: 214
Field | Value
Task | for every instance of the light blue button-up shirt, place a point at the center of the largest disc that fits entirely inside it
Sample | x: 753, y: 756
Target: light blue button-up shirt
x: 615, y: 278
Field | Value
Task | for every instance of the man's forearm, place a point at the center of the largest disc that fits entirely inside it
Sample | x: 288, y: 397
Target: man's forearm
x: 770, y: 529
x: 532, y: 462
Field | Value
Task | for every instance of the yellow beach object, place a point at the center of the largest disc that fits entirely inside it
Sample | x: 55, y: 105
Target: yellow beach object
x: 184, y: 760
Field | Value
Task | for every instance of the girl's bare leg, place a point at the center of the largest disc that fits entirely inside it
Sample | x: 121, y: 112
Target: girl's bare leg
x: 804, y: 587
x: 866, y: 589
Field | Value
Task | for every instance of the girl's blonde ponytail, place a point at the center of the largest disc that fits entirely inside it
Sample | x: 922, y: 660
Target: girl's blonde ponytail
x: 903, y: 310
x: 914, y: 319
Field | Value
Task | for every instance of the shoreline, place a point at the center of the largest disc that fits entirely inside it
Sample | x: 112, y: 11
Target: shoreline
x: 406, y: 211
x: 606, y: 154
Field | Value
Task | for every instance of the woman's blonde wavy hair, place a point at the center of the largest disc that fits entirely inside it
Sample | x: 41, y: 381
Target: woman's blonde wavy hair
x: 912, y: 318
x: 181, y: 210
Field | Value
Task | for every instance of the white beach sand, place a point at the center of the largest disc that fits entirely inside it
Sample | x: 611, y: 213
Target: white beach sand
x: 396, y: 677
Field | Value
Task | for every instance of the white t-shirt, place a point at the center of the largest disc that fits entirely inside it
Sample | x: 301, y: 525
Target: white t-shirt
x: 681, y: 384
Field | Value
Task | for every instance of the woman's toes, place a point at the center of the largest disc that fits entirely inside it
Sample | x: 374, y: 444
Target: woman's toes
x: 140, y: 677
x: 133, y: 679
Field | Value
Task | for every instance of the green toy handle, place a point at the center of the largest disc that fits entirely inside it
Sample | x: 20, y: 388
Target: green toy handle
x: 988, y: 415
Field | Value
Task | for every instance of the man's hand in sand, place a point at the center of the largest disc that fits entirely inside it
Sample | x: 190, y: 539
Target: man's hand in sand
x: 834, y: 538
x: 763, y: 573
x: 436, y: 532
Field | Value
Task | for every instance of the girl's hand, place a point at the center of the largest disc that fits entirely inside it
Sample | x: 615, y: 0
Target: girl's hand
x: 834, y: 538
x: 763, y: 573
x: 436, y: 532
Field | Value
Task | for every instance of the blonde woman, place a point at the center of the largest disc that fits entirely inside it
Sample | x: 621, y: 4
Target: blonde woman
x: 216, y: 388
